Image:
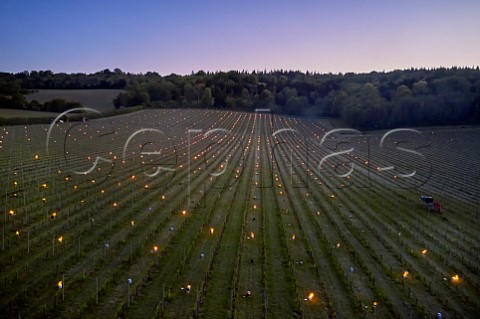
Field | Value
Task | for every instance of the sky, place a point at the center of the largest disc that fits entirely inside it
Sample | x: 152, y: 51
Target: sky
x: 185, y: 36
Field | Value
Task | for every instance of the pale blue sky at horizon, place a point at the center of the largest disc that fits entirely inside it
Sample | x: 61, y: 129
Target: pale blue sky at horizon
x: 187, y: 35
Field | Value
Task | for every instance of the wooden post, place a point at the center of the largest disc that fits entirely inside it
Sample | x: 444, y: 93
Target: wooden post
x: 129, y: 281
x: 183, y: 261
x: 197, y: 302
x: 163, y: 296
x: 96, y: 291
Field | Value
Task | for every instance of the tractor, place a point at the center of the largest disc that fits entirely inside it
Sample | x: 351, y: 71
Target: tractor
x: 432, y: 204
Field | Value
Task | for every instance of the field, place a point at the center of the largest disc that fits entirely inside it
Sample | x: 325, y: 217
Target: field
x: 98, y: 99
x: 218, y: 214
x: 12, y: 113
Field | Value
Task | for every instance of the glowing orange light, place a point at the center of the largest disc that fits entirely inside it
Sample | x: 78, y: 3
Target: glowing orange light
x: 211, y: 230
x: 332, y: 196
x: 293, y: 237
x: 44, y: 185
x: 375, y: 303
x: 54, y: 215
x: 36, y: 156
x: 424, y: 252
x: 60, y: 239
x: 184, y: 212
x: 338, y: 245
x: 11, y: 212
x: 163, y: 196
x: 252, y: 235
x: 405, y: 274
x: 17, y: 233
x: 44, y: 199
x: 133, y: 176
x: 132, y: 222
x: 310, y: 296
x: 115, y: 204
x: 60, y: 284
x: 456, y: 278
x: 254, y: 206
x: 155, y: 248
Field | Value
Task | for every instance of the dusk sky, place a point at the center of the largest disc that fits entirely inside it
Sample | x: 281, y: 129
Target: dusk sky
x: 184, y: 36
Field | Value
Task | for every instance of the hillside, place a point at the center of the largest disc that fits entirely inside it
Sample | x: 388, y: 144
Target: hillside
x: 98, y: 99
x: 367, y: 101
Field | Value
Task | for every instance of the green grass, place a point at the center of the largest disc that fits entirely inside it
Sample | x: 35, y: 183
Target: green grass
x: 24, y: 117
x: 12, y: 113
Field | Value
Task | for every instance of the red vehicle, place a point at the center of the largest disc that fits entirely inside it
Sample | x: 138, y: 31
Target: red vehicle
x: 432, y: 204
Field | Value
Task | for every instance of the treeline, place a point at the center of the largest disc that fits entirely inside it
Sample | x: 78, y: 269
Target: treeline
x: 13, y: 87
x: 366, y: 101
x: 12, y: 96
x: 47, y: 80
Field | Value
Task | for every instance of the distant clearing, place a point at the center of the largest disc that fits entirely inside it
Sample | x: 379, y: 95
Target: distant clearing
x: 11, y: 113
x: 101, y: 100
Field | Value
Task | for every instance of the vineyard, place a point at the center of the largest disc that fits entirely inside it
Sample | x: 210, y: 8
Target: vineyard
x: 219, y: 214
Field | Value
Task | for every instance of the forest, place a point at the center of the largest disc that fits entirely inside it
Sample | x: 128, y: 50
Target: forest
x: 375, y: 100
